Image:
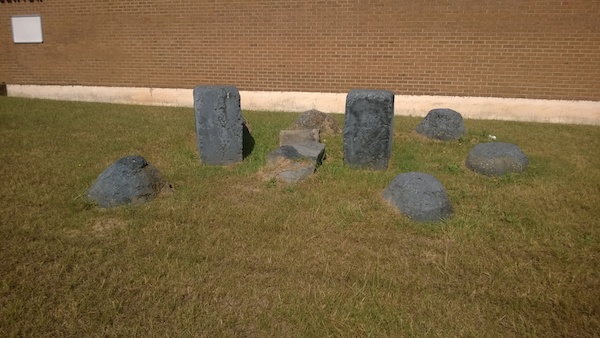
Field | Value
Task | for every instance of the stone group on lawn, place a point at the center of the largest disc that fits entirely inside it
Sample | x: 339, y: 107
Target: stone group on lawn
x: 224, y: 138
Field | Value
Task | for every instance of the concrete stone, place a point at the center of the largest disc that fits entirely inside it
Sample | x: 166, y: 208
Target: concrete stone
x: 219, y: 124
x: 314, y: 119
x: 129, y: 180
x: 419, y: 196
x: 294, y: 162
x: 314, y: 151
x: 442, y: 124
x: 368, y: 129
x: 496, y: 159
x: 295, y: 172
x: 311, y: 151
x: 294, y: 136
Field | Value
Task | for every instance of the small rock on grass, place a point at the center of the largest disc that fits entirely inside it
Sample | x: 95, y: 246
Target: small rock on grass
x: 295, y: 162
x: 314, y: 119
x: 419, y: 196
x: 442, y: 124
x: 129, y: 180
x: 496, y: 159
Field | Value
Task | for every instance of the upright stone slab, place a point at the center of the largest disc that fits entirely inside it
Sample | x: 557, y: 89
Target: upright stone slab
x: 219, y: 124
x: 368, y: 129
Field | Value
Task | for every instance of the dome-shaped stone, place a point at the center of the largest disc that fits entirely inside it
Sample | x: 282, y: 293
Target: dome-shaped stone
x: 442, y: 124
x: 496, y: 159
x: 420, y: 196
x: 129, y: 180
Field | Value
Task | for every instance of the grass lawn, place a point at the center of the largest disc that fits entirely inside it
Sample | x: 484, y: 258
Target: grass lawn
x: 229, y: 254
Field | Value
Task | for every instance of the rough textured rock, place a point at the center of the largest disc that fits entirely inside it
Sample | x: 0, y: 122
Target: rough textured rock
x: 442, y: 124
x: 219, y: 124
x: 294, y: 136
x: 129, y: 180
x: 314, y: 119
x: 496, y: 159
x: 293, y: 172
x: 420, y: 196
x: 295, y: 162
x: 368, y: 129
x: 308, y: 150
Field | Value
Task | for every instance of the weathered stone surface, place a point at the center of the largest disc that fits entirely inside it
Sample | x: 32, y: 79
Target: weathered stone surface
x: 129, y: 180
x: 419, y: 196
x: 295, y: 172
x: 219, y: 124
x: 368, y: 129
x: 496, y: 159
x: 295, y: 162
x: 442, y: 124
x: 314, y: 119
x: 294, y: 136
x: 281, y: 154
x: 312, y: 151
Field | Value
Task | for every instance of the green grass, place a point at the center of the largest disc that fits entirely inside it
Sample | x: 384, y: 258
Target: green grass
x: 232, y: 255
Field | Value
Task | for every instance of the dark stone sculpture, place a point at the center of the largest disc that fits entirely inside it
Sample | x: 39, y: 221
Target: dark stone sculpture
x: 368, y: 129
x: 219, y: 124
x: 442, y: 124
x: 129, y: 180
x: 314, y: 119
x: 420, y: 196
x: 496, y: 159
x: 295, y: 162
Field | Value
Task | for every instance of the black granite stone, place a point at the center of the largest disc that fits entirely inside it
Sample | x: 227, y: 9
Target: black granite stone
x: 368, y: 129
x: 219, y: 124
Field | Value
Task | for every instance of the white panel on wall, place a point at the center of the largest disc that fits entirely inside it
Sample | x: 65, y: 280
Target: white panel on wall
x: 27, y: 29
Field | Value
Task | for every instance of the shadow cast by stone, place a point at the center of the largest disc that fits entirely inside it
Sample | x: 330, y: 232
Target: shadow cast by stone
x: 247, y: 142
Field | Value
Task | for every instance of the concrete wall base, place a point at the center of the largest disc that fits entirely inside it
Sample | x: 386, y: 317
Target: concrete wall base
x: 553, y: 111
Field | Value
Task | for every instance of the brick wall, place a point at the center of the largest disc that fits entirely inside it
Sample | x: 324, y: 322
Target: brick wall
x: 512, y: 48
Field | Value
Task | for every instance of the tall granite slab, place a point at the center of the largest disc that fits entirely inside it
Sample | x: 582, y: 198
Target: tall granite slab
x: 368, y: 129
x: 219, y: 124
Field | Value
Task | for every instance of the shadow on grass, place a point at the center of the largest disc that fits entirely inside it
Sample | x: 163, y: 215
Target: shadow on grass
x: 247, y: 142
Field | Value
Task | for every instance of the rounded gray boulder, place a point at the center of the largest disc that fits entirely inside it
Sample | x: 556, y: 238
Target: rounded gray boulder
x: 496, y: 159
x: 129, y: 180
x: 420, y: 196
x: 442, y: 124
x: 314, y: 119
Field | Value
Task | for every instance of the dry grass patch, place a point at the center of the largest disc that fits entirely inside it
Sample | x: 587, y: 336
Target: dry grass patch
x: 230, y: 254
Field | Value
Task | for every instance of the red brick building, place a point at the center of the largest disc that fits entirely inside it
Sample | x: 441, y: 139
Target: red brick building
x: 529, y: 49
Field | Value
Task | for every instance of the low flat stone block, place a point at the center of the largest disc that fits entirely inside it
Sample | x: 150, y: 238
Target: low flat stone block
x: 496, y: 159
x: 219, y: 124
x: 368, y: 129
x: 294, y: 136
x: 310, y: 151
x: 129, y: 180
x: 295, y: 162
x: 281, y: 154
x: 442, y: 124
x: 419, y: 196
x: 295, y: 172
